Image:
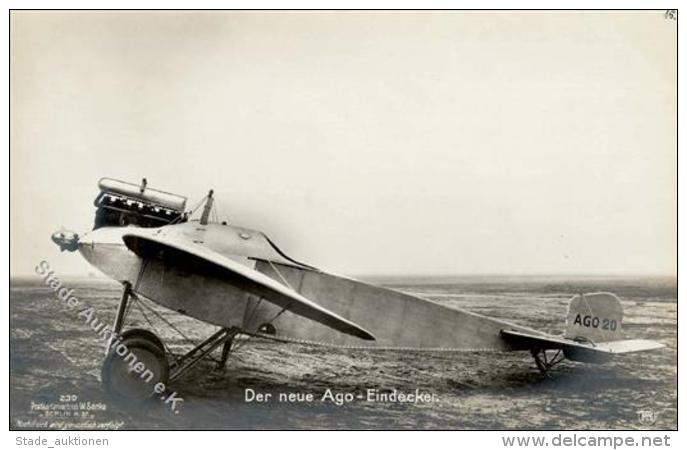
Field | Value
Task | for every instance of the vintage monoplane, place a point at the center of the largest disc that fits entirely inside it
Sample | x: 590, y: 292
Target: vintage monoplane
x: 239, y: 280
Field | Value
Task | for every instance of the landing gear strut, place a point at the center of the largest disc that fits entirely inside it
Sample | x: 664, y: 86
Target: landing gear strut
x: 545, y: 361
x: 138, y: 363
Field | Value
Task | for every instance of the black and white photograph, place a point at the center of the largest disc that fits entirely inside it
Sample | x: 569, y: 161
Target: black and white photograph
x: 343, y: 220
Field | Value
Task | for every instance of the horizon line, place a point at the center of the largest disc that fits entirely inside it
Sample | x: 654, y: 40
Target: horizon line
x: 97, y: 276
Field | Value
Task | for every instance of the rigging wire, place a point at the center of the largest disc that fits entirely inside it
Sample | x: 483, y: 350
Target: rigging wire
x: 269, y: 322
x: 187, y: 339
x: 189, y: 213
x: 150, y: 323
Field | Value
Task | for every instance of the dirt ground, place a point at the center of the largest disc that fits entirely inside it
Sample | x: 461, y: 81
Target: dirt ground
x: 55, y: 367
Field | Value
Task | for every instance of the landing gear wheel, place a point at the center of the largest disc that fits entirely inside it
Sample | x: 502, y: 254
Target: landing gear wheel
x: 142, y: 333
x: 135, y: 379
x: 546, y: 362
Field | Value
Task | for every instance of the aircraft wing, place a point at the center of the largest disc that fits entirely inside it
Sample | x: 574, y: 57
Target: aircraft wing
x: 204, y: 260
x: 525, y: 341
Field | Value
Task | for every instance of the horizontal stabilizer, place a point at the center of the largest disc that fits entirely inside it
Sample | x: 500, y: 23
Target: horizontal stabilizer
x: 585, y: 351
x: 629, y: 346
x: 203, y: 260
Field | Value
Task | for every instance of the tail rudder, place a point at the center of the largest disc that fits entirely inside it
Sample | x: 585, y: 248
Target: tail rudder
x: 595, y: 317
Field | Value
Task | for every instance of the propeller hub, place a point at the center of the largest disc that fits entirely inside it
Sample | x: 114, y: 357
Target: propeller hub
x: 66, y: 240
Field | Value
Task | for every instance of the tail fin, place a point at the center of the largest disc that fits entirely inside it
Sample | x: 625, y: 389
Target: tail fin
x: 594, y: 318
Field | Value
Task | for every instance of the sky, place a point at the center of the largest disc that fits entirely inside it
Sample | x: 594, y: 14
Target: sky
x: 365, y: 143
